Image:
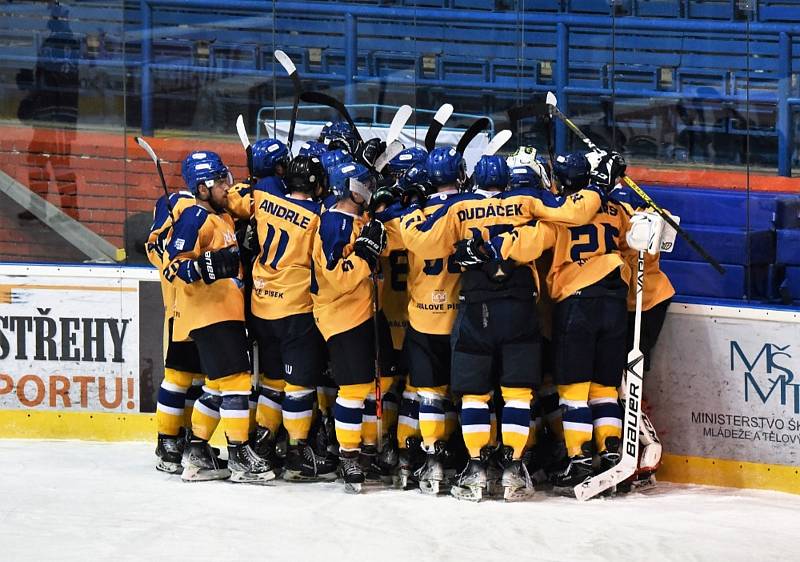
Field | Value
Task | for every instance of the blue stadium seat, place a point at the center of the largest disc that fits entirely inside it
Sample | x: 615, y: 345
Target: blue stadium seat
x: 727, y: 245
x: 788, y: 247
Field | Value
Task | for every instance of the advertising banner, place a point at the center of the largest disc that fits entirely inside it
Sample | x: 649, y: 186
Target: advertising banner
x: 724, y: 384
x: 69, y: 343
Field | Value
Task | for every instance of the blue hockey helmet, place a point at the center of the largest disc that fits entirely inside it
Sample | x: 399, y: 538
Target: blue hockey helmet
x: 312, y: 148
x: 572, y: 171
x: 332, y: 158
x: 203, y: 167
x: 491, y: 172
x: 351, y: 177
x: 445, y: 165
x: 332, y: 128
x: 407, y: 158
x: 415, y: 175
x: 268, y: 154
x: 524, y: 176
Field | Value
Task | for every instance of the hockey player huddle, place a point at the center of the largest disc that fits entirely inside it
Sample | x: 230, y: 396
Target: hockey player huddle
x: 417, y: 324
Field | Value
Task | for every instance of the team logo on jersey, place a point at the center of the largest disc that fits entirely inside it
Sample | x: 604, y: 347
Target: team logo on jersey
x: 439, y: 297
x: 287, y: 369
x: 179, y: 243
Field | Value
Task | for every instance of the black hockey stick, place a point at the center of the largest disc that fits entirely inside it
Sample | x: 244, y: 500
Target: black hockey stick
x: 473, y: 131
x: 439, y: 120
x: 333, y: 103
x: 291, y: 70
x: 552, y: 104
x: 151, y: 153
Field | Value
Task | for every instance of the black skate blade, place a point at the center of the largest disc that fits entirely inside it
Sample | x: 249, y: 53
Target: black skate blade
x: 252, y: 478
x: 197, y: 474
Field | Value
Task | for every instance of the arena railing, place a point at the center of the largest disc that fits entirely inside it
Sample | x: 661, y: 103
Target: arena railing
x: 563, y: 22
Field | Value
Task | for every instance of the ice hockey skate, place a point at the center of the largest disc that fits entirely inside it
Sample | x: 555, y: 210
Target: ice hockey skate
x: 303, y: 464
x: 200, y: 464
x: 471, y: 483
x: 351, y: 471
x: 515, y: 481
x: 431, y: 474
x: 169, y: 451
x: 410, y: 460
x: 246, y: 466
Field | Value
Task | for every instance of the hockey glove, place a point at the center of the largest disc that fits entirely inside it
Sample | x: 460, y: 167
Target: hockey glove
x: 218, y: 264
x: 644, y: 234
x: 384, y: 196
x: 368, y: 152
x: 610, y: 167
x: 370, y: 243
x: 414, y: 194
x: 472, y: 251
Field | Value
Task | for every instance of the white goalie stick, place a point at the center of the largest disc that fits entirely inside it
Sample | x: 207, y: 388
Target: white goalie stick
x: 151, y: 153
x: 287, y: 64
x: 439, y: 120
x: 634, y: 378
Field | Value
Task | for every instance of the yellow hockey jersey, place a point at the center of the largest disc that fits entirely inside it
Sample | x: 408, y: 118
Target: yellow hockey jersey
x: 287, y: 228
x: 394, y: 275
x: 198, y: 304
x: 582, y: 254
x: 341, y: 287
x: 160, y: 232
x: 433, y: 236
x: 240, y: 201
x: 657, y: 286
x: 434, y: 280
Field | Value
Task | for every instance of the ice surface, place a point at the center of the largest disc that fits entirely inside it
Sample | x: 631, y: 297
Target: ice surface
x: 69, y: 500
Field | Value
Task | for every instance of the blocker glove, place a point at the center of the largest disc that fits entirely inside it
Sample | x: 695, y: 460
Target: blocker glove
x: 370, y: 243
x: 384, y: 196
x: 218, y: 264
x: 645, y: 231
x: 472, y: 251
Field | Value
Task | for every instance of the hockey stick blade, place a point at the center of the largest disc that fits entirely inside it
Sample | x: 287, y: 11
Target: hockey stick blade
x: 143, y: 143
x: 391, y: 151
x: 284, y: 60
x: 333, y: 103
x: 551, y: 100
x: 398, y: 122
x: 287, y: 64
x: 497, y: 142
x: 242, y: 132
x: 152, y: 154
x: 439, y: 120
x: 473, y: 131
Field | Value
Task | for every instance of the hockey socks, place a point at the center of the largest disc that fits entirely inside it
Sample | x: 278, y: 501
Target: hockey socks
x: 574, y: 399
x: 172, y: 396
x: 298, y: 407
x: 432, y: 422
x: 269, y: 409
x: 606, y: 414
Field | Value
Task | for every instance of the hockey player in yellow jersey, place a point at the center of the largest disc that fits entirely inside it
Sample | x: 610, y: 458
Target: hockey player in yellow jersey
x: 434, y: 292
x: 481, y: 218
x: 205, y: 269
x: 658, y: 291
x: 183, y: 378
x: 290, y: 344
x: 269, y: 163
x: 346, y: 251
x: 589, y: 282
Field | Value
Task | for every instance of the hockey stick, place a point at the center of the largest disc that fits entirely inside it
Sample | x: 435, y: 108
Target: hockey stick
x: 550, y: 148
x: 333, y: 103
x: 441, y: 117
x: 634, y: 378
x: 497, y: 143
x: 398, y: 122
x: 291, y: 70
x: 151, y: 153
x: 552, y: 105
x: 248, y: 148
x: 473, y: 131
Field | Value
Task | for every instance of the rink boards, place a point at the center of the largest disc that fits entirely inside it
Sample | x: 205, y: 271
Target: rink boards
x: 81, y: 356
